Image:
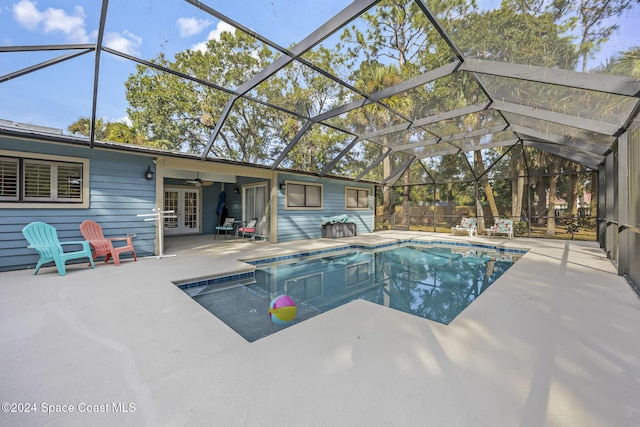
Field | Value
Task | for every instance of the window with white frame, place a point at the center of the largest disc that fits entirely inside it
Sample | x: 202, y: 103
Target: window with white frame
x: 40, y: 180
x: 303, y: 196
x: 356, y: 198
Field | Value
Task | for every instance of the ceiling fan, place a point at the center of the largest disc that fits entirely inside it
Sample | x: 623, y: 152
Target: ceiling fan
x: 199, y: 182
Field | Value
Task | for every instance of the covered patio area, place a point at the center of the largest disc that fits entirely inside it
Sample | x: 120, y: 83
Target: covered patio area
x: 551, y: 342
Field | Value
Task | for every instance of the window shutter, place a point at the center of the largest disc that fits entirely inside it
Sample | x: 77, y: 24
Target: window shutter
x: 8, y: 179
x: 69, y: 182
x: 37, y: 181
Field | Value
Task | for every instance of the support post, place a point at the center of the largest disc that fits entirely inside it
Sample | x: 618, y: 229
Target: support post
x: 159, y: 215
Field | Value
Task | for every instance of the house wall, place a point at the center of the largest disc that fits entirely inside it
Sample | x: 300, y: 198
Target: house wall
x: 118, y: 192
x: 208, y: 203
x: 306, y: 224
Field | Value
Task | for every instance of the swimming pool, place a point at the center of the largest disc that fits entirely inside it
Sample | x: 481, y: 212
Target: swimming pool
x: 436, y: 282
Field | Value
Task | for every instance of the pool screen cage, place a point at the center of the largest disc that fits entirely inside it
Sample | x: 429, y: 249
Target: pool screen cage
x: 449, y: 109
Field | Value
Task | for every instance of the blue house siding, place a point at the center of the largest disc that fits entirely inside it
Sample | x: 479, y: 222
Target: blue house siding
x: 306, y: 224
x: 210, y: 196
x: 118, y: 192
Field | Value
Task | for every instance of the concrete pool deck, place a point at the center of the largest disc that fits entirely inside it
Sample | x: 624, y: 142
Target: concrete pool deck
x: 554, y: 342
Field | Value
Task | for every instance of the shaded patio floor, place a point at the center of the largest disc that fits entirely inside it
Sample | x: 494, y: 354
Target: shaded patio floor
x: 554, y: 342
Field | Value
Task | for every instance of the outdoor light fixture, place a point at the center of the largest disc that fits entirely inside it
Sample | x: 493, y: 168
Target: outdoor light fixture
x: 148, y: 175
x: 283, y: 185
x: 236, y: 190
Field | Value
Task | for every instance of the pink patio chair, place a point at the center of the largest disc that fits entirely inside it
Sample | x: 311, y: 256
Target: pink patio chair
x: 249, y: 228
x: 92, y: 232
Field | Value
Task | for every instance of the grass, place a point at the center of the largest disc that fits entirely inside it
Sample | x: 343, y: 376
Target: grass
x: 537, y: 231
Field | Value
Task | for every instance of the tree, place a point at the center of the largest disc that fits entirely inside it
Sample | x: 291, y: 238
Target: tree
x: 513, y: 34
x: 396, y: 32
x: 508, y: 36
x: 594, y: 24
x: 82, y: 126
x: 627, y: 63
x: 165, y: 106
x: 115, y: 132
x: 592, y: 20
x: 373, y: 77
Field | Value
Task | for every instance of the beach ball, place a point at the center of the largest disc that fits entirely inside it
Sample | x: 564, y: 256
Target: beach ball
x: 282, y: 310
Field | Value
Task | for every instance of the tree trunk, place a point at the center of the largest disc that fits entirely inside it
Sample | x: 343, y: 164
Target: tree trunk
x: 479, y: 209
x: 553, y: 180
x: 480, y: 213
x: 449, y: 207
x: 573, y: 195
x: 517, y: 187
x: 491, y: 199
x: 594, y: 200
x: 405, y: 198
x: 386, y: 194
x: 477, y: 155
x: 517, y: 193
x: 542, y: 200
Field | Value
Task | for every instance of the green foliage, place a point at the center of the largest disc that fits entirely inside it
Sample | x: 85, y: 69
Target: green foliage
x: 507, y: 36
x: 625, y: 64
x: 520, y: 228
x: 573, y: 225
x: 389, y: 44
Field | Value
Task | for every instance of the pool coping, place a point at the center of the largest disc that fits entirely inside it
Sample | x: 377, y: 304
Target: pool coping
x: 250, y: 274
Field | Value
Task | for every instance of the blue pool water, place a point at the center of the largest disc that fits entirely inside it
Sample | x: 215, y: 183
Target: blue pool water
x: 433, y: 282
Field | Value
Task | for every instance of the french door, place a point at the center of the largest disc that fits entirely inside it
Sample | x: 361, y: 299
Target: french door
x: 254, y: 204
x: 185, y: 202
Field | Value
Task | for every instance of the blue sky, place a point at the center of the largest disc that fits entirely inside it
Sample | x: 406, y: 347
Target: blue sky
x: 58, y: 95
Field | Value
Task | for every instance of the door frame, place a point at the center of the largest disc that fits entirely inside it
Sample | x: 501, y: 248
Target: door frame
x: 243, y: 189
x: 180, y: 199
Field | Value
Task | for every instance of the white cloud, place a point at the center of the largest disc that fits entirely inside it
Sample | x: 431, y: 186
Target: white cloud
x: 126, y: 120
x: 127, y: 42
x: 27, y: 15
x: 192, y: 26
x: 52, y: 20
x: 214, y: 35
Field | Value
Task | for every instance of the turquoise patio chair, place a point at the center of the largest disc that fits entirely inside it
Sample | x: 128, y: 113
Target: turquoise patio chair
x: 44, y: 239
x: 227, y: 226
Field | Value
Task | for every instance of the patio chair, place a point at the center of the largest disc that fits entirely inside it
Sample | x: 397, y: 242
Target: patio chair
x: 467, y: 225
x: 226, y: 226
x: 92, y: 231
x: 249, y: 228
x: 44, y: 239
x: 501, y: 226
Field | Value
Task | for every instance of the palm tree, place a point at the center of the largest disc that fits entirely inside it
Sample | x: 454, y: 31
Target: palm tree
x: 628, y: 64
x: 82, y: 126
x: 373, y: 77
x: 116, y: 132
x: 120, y: 132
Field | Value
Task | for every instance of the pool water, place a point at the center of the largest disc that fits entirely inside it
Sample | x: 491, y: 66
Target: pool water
x: 433, y: 282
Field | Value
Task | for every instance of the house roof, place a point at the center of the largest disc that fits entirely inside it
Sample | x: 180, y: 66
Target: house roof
x: 496, y: 102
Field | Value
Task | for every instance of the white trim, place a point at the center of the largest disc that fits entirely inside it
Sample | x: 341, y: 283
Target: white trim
x: 262, y: 222
x: 25, y: 155
x: 181, y: 189
x: 347, y: 188
x: 303, y: 208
